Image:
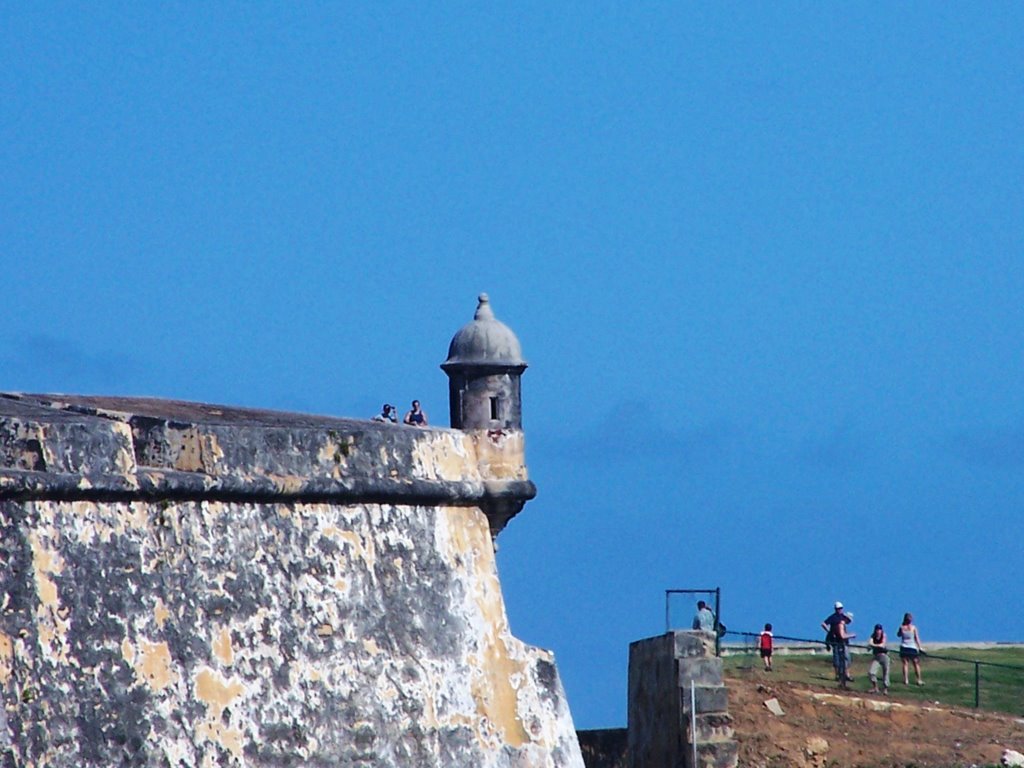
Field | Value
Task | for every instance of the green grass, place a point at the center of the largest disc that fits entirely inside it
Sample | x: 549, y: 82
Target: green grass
x: 945, y: 681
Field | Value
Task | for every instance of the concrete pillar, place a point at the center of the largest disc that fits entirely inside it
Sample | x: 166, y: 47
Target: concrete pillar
x: 661, y: 731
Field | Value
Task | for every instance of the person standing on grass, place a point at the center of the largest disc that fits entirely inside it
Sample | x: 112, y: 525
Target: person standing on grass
x: 910, y: 648
x: 879, y: 660
x: 831, y: 625
x: 840, y: 653
x: 765, y: 645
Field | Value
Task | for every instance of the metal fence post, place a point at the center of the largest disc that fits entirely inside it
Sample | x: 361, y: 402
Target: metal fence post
x: 977, y: 685
x: 693, y: 720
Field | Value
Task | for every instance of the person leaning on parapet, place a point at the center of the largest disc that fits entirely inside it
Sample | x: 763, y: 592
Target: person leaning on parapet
x: 704, y: 619
x: 416, y: 417
x: 835, y: 625
x: 387, y: 414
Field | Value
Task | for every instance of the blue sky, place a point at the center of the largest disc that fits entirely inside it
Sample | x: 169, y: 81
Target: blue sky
x: 765, y: 261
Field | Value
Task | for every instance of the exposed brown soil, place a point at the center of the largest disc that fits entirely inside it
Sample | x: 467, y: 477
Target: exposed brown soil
x: 826, y: 727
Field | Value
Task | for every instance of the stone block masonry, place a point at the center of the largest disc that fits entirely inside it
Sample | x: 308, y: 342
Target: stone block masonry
x: 663, y: 723
x: 194, y: 585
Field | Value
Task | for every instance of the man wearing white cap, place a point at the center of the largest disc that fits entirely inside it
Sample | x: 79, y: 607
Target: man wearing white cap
x: 835, y: 625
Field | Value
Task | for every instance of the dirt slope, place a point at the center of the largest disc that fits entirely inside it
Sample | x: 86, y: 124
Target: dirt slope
x: 822, y: 727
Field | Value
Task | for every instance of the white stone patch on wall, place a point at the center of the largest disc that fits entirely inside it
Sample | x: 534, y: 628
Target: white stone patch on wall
x: 445, y: 455
x: 500, y: 454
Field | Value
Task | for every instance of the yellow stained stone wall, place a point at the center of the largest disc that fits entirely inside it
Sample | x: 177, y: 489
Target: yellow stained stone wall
x: 218, y: 634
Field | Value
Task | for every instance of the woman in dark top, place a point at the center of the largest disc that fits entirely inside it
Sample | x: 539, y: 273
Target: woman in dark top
x: 416, y: 417
x: 880, y: 660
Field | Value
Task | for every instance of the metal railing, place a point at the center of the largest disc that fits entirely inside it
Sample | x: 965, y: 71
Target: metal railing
x: 1016, y: 671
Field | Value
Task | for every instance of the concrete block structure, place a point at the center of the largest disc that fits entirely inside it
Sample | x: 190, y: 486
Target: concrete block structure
x: 665, y: 722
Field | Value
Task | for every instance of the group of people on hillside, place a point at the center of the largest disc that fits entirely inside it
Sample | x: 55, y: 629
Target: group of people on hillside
x: 415, y: 417
x: 838, y: 637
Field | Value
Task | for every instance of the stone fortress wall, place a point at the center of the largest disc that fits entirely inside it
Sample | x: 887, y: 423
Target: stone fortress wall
x: 191, y: 585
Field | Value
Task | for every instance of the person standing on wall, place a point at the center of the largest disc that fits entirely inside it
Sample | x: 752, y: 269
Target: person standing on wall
x: 910, y: 648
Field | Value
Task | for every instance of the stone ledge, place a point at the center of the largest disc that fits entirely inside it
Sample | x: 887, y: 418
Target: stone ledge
x: 172, y: 485
x: 121, y: 449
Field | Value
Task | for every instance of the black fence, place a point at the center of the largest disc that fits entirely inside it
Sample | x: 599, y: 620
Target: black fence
x: 949, y: 678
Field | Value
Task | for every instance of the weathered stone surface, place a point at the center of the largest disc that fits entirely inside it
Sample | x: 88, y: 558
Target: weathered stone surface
x: 661, y: 723
x: 708, y: 698
x: 716, y: 754
x: 710, y: 727
x: 653, y: 715
x: 700, y: 672
x: 187, y: 585
x: 701, y: 644
x: 604, y: 748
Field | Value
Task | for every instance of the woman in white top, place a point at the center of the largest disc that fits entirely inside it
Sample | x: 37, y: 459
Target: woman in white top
x: 910, y: 648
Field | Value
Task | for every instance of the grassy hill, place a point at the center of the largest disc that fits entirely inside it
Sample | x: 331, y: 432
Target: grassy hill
x: 948, y: 674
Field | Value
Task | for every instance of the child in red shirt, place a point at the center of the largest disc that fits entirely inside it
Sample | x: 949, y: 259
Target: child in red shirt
x: 764, y: 643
